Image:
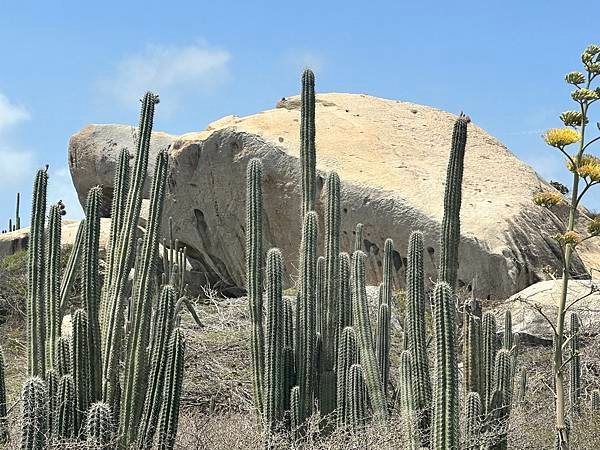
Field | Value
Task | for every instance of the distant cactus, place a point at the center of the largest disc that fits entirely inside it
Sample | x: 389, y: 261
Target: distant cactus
x: 307, y: 141
x: 17, y: 213
x: 66, y: 408
x: 407, y: 403
x: 254, y: 261
x: 595, y: 402
x: 34, y: 416
x: 450, y: 237
x: 473, y: 414
x: 365, y: 340
x: 357, y: 398
x: 100, y: 428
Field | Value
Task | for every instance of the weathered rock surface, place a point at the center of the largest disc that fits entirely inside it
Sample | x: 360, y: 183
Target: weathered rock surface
x: 17, y: 240
x: 525, y: 307
x: 391, y: 157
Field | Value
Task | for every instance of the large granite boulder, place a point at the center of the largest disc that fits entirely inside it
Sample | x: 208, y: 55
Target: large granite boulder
x: 391, y: 157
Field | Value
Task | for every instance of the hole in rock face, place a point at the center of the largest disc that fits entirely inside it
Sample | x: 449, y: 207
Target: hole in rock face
x: 397, y: 260
x: 345, y: 210
x: 201, y: 224
x: 430, y: 250
x: 370, y: 247
x: 320, y: 183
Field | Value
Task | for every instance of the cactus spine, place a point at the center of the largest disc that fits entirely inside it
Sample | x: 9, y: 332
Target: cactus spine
x: 488, y: 344
x: 450, y: 237
x: 254, y: 258
x: 407, y: 402
x: 136, y: 369
x: 52, y: 400
x: 3, y: 429
x: 118, y: 270
x: 100, y: 427
x: 36, y: 328
x: 81, y: 368
x: 34, y: 404
x: 63, y: 356
x: 66, y: 408
x: 307, y: 325
x: 575, y: 369
x: 273, y: 409
x: 172, y: 392
x: 90, y: 294
x: 347, y: 356
x: 473, y: 421
x: 365, y: 339
x: 415, y: 331
x: 158, y: 362
x: 52, y: 295
x: 445, y: 405
x: 307, y: 141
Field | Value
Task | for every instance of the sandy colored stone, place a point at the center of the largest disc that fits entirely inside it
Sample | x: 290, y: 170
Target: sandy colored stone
x: 391, y: 157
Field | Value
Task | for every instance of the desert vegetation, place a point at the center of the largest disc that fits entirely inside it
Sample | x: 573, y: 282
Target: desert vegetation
x: 118, y: 361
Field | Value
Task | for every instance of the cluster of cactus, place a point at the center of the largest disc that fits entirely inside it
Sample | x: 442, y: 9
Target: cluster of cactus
x: 77, y: 388
x: 16, y: 225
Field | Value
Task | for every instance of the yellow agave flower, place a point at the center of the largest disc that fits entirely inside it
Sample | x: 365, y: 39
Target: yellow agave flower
x: 589, y: 167
x: 561, y: 137
x: 547, y: 199
x: 594, y: 227
x: 571, y: 237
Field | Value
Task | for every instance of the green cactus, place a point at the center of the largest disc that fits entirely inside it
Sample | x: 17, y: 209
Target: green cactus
x: 408, y: 409
x: 3, y: 428
x: 356, y: 402
x: 90, y: 289
x: 522, y: 384
x: 306, y: 327
x: 346, y: 357
x: 503, y: 374
x: 358, y: 237
x: 450, y: 236
x: 136, y: 367
x: 473, y: 414
x: 595, y: 401
x: 274, y: 382
x: 575, y: 363
x: 382, y: 345
x: 172, y: 392
x: 445, y: 404
x: 254, y: 261
x: 365, y: 339
x: 36, y: 327
x: 65, y: 416
x: 471, y: 353
x: 501, y: 399
x: 52, y: 287
x: 344, y: 314
x: 117, y: 271
x: 496, y: 421
x: 295, y: 421
x: 507, y: 339
x: 100, y: 429
x: 307, y: 141
x: 81, y: 368
x: 288, y: 355
x: 17, y: 213
x: 488, y: 358
x: 320, y: 294
x: 158, y: 362
x: 62, y: 356
x: 330, y: 322
x: 415, y: 332
x: 70, y: 271
x: 51, y: 399
x: 34, y: 420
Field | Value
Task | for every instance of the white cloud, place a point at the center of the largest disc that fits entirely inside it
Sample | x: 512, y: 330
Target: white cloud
x: 301, y: 59
x: 16, y: 163
x: 170, y: 71
x: 60, y: 187
x: 10, y: 113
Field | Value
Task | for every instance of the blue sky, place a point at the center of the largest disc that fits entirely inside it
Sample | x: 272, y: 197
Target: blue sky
x: 66, y: 64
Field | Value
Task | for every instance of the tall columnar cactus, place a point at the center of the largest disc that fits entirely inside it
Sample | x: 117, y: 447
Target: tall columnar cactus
x: 17, y: 213
x: 52, y: 381
x: 307, y: 141
x: 274, y: 382
x: 81, y: 368
x: 471, y: 353
x: 254, y: 261
x: 136, y: 367
x: 347, y: 356
x: 52, y: 291
x: 415, y: 331
x: 327, y: 377
x: 307, y: 325
x: 450, y: 236
x: 295, y: 421
x: 522, y: 384
x: 507, y: 339
x: 62, y: 356
x: 358, y: 237
x: 36, y: 327
x: 344, y: 314
x: 365, y: 339
x: 595, y: 401
x: 33, y: 423
x: 117, y: 271
x: 320, y: 294
x: 384, y: 315
x: 288, y: 355
x: 445, y: 404
x: 408, y: 409
x: 100, y: 429
x: 172, y: 392
x: 575, y: 369
x: 158, y: 363
x: 70, y: 272
x: 357, y: 398
x: 3, y: 429
x: 488, y: 358
x: 473, y: 414
x: 501, y: 408
x: 65, y: 416
x: 90, y: 293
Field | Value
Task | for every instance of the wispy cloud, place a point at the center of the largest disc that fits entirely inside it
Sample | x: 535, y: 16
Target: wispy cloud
x: 171, y: 71
x: 301, y: 59
x: 16, y: 162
